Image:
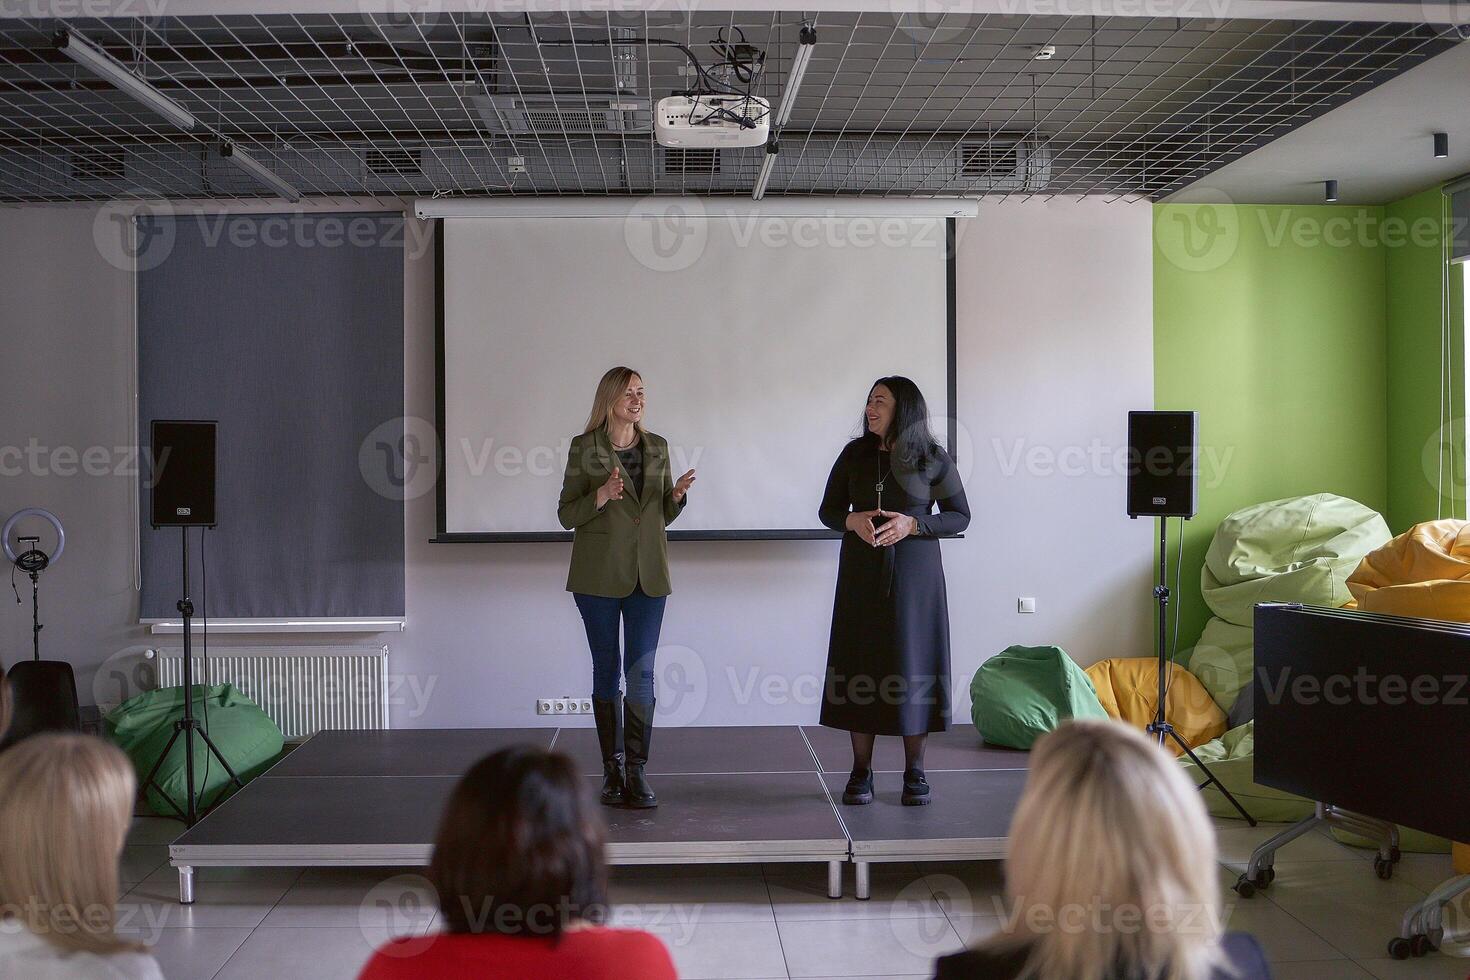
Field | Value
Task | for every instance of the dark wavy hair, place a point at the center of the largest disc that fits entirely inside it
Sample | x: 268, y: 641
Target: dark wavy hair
x: 911, y: 441
x: 519, y: 851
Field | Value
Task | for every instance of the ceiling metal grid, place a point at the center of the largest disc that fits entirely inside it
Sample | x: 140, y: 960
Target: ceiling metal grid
x: 477, y: 104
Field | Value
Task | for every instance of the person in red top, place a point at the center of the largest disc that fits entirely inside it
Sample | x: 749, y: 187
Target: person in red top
x: 522, y: 887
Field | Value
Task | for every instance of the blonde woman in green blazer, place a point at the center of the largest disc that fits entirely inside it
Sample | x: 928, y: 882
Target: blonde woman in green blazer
x: 617, y: 496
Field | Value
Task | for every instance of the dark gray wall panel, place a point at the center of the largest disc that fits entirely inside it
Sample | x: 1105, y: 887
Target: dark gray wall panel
x: 288, y: 329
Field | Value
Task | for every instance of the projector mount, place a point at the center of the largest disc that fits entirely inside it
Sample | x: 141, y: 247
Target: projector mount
x: 718, y: 109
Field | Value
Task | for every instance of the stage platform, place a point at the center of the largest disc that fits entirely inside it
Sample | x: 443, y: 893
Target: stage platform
x: 756, y: 794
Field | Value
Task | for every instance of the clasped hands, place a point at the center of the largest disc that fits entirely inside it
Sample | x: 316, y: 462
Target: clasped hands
x: 899, y: 526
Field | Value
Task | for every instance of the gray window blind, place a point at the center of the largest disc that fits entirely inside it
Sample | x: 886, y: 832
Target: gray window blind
x: 287, y: 329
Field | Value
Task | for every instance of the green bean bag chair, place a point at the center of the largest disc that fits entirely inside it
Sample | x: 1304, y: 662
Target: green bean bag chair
x: 1300, y: 549
x: 1223, y: 660
x: 1231, y: 759
x: 1022, y: 693
x: 246, y: 736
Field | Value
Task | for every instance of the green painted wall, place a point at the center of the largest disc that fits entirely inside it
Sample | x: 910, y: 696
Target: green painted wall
x: 1271, y: 323
x: 1414, y: 418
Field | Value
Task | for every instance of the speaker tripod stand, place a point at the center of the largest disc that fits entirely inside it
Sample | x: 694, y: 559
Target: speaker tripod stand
x: 1160, y: 726
x: 188, y: 727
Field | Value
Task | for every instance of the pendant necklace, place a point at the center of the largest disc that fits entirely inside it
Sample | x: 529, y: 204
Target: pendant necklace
x: 882, y: 477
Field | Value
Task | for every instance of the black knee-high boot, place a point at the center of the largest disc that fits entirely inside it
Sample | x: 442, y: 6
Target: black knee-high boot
x: 609, y: 717
x: 637, y: 733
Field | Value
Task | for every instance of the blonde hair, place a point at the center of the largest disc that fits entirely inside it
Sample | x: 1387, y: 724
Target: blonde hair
x: 1111, y: 865
x: 65, y: 805
x: 609, y: 390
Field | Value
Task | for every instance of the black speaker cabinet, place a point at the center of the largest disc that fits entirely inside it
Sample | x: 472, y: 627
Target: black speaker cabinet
x: 1162, y: 450
x: 183, y: 473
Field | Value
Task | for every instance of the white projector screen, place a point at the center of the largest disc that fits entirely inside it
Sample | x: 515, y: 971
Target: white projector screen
x: 757, y: 340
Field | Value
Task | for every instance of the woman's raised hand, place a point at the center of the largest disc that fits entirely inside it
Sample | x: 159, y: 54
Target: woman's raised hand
x: 682, y: 486
x: 611, y: 490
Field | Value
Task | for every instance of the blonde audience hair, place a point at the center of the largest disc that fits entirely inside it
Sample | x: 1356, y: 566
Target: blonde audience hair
x: 65, y: 805
x: 1111, y: 867
x: 612, y: 386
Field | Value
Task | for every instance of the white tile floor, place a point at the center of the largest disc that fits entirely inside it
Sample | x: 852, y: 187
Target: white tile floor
x: 1327, y: 917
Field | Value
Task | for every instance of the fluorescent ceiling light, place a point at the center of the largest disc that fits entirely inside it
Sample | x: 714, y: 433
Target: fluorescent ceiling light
x: 808, y: 44
x: 259, y: 171
x: 767, y: 165
x: 105, y: 66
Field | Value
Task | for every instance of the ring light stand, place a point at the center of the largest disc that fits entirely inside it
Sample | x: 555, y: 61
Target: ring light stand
x: 33, y: 561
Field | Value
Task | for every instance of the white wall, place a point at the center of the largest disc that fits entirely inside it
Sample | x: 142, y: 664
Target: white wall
x: 1055, y: 345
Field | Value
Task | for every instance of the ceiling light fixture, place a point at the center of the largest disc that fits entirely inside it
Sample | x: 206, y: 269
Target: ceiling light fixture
x: 108, y: 68
x: 807, y: 44
x: 259, y: 171
x: 768, y: 164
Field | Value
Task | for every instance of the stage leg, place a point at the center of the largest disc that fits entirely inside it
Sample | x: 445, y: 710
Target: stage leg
x: 186, y: 885
x: 834, y: 879
x: 863, y: 889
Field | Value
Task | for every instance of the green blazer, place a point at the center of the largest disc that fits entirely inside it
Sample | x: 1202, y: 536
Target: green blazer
x: 616, y: 548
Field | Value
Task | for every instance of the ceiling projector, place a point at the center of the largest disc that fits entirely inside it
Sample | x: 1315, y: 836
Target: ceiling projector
x: 708, y: 120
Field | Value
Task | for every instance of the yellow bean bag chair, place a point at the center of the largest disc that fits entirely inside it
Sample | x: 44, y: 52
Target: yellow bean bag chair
x: 1129, y: 691
x: 1423, y: 572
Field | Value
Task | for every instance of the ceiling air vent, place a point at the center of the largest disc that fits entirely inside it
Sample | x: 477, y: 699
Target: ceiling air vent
x: 395, y: 162
x: 982, y: 158
x: 704, y: 161
x: 1003, y: 164
x: 555, y: 115
x: 97, y: 163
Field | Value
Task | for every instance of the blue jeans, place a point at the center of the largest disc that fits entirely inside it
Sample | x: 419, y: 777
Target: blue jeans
x: 642, y: 616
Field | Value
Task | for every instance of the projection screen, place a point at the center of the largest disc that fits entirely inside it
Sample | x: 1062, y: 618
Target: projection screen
x: 757, y: 339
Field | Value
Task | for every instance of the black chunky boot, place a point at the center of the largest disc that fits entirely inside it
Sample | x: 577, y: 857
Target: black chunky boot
x: 915, y: 788
x: 859, y: 791
x: 637, y: 733
x: 609, y: 717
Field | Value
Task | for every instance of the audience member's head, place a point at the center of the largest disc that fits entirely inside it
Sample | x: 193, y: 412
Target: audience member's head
x: 1111, y: 868
x: 519, y: 850
x: 65, y: 805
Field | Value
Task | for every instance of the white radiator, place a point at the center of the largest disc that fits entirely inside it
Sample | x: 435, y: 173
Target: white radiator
x: 303, y: 689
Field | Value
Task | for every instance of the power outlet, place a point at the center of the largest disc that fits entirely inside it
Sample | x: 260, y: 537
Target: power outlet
x: 564, y: 706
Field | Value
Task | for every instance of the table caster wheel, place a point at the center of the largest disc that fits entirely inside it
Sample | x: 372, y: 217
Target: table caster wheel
x: 1399, y: 948
x: 1244, y: 887
x: 1383, y: 869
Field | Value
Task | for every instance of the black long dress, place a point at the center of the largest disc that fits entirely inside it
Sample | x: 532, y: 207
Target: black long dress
x: 888, y: 657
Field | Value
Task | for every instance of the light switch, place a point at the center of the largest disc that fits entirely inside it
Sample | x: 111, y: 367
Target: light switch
x: 1026, y: 604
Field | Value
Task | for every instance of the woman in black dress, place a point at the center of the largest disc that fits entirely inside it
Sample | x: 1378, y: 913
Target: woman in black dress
x: 888, y: 658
